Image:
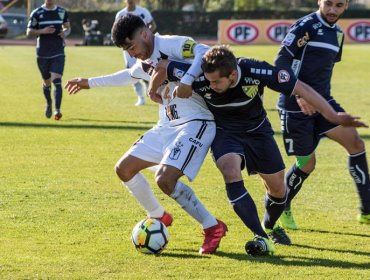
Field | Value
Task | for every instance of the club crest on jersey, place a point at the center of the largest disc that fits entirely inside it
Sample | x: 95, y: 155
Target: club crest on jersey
x: 303, y: 41
x: 188, y: 49
x: 283, y: 76
x: 176, y: 151
x: 61, y: 14
x: 340, y: 38
x: 250, y: 91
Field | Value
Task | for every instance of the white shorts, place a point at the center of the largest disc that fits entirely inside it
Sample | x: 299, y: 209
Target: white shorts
x: 184, y: 146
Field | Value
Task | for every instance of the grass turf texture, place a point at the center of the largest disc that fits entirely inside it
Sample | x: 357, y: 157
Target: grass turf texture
x: 65, y: 215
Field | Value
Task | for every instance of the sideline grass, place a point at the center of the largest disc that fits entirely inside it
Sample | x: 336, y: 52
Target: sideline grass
x: 64, y: 214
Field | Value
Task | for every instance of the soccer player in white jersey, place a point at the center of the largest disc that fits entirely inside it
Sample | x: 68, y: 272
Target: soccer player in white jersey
x: 179, y: 142
x: 132, y: 8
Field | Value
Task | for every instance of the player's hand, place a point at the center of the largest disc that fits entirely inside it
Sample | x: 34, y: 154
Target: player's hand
x: 75, y: 85
x: 345, y: 119
x: 61, y: 34
x: 48, y: 30
x: 306, y: 108
x: 157, y: 79
x: 184, y: 91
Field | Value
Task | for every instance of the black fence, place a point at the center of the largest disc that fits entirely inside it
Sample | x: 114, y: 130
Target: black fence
x: 194, y: 24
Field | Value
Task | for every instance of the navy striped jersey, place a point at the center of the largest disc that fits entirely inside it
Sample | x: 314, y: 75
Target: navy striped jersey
x: 240, y: 108
x: 49, y: 45
x: 311, y: 48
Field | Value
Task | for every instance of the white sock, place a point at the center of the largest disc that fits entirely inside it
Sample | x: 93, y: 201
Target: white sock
x: 192, y: 205
x: 140, y: 189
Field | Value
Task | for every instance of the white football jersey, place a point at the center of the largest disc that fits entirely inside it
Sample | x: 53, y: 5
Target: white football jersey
x: 139, y: 11
x: 174, y: 110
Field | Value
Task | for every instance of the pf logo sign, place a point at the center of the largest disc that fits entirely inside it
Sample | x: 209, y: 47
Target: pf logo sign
x: 242, y: 32
x: 277, y: 32
x: 359, y: 31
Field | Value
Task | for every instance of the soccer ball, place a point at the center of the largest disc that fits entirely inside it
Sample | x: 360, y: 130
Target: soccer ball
x: 150, y: 236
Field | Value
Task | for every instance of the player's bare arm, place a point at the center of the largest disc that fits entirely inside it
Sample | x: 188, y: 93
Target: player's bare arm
x: 157, y: 79
x: 75, y: 85
x: 305, y: 107
x: 31, y: 32
x: 317, y: 101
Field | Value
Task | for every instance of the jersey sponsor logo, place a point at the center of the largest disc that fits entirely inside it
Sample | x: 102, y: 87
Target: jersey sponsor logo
x: 289, y: 39
x: 250, y: 91
x: 242, y: 32
x: 305, y: 20
x: 296, y: 65
x: 303, y: 41
x: 178, y: 73
x: 261, y: 71
x: 188, y: 49
x: 283, y: 76
x: 359, y: 31
x: 205, y: 88
x: 251, y: 81
x: 320, y: 32
x: 176, y: 151
x: 195, y: 142
x: 278, y: 31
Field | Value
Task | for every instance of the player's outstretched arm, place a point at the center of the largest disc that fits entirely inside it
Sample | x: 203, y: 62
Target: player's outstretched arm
x: 75, y: 85
x: 317, y: 101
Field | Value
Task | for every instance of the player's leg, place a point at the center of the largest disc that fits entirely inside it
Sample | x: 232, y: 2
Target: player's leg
x: 146, y: 152
x: 138, y: 87
x: 56, y: 71
x: 184, y: 157
x: 43, y: 65
x: 301, y: 141
x: 349, y: 138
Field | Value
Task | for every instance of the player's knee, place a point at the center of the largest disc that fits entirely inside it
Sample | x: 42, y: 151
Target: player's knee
x: 306, y: 163
x: 230, y: 173
x: 165, y: 183
x: 358, y: 144
x: 122, y: 171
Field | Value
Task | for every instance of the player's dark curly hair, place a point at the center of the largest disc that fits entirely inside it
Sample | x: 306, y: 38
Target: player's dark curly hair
x: 125, y: 28
x: 219, y: 58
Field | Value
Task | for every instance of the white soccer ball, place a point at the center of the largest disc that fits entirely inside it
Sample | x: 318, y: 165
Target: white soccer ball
x: 150, y: 236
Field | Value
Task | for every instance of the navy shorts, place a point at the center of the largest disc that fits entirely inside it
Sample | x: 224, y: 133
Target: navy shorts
x: 258, y: 149
x: 48, y: 65
x: 302, y: 133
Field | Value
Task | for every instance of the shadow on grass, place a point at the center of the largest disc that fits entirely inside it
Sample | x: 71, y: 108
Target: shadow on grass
x: 277, y: 259
x: 337, y: 232
x: 365, y: 254
x: 134, y: 125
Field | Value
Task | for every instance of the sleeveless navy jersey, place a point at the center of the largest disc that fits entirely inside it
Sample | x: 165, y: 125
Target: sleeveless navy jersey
x: 240, y: 108
x: 49, y: 45
x: 311, y: 48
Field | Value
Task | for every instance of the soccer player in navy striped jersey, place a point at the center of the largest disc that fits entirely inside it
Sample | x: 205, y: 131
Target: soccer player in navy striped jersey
x: 50, y: 24
x: 311, y: 48
x: 233, y: 91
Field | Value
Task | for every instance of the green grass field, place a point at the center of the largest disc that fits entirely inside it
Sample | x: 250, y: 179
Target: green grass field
x: 65, y: 215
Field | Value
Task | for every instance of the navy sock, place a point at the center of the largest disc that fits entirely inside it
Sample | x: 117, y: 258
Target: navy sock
x: 274, y: 207
x: 358, y: 169
x: 294, y: 179
x: 244, y: 207
x: 58, y: 93
x: 46, y: 92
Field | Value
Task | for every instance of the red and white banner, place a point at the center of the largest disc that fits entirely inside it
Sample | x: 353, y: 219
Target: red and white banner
x: 241, y: 32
